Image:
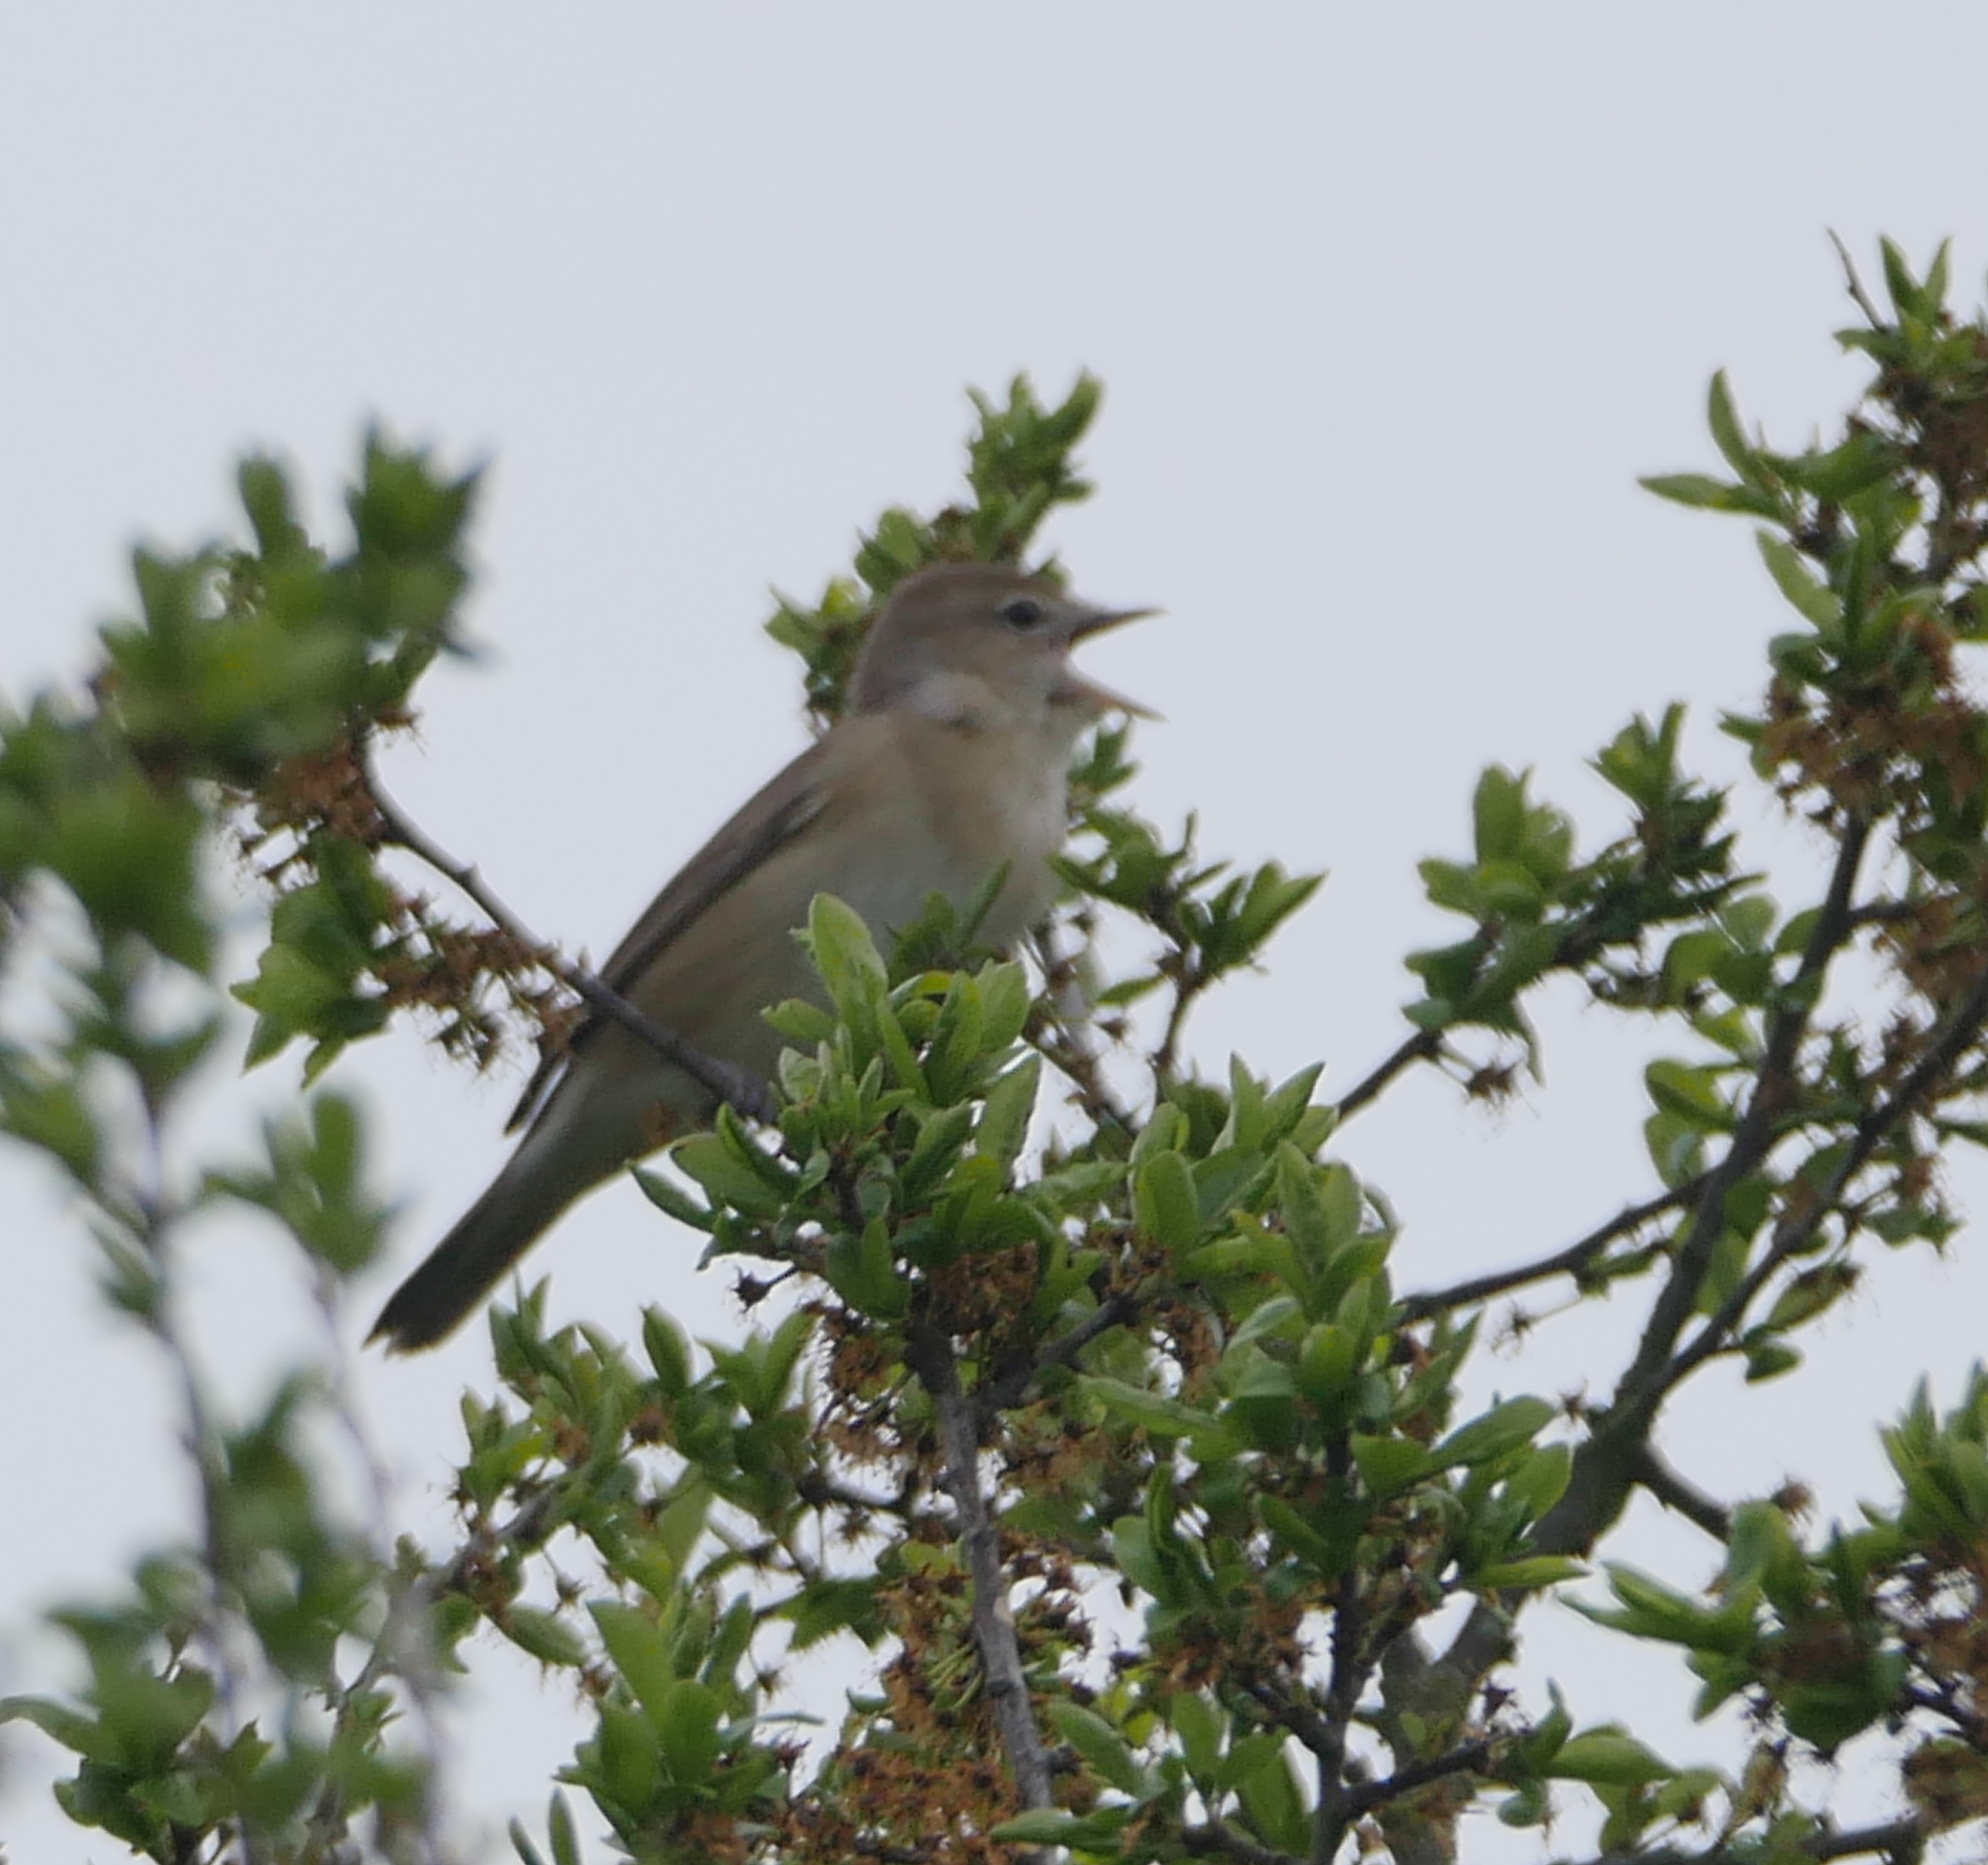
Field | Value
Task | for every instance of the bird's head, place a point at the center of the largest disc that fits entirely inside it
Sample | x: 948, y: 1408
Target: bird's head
x: 986, y: 644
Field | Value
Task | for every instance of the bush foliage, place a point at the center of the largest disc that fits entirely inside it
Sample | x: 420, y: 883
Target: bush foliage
x: 1167, y: 1351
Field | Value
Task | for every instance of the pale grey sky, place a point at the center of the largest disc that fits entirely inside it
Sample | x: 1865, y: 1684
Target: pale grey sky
x: 1392, y: 303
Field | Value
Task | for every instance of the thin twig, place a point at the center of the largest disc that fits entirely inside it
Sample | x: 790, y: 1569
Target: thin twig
x: 816, y: 1490
x: 1570, y: 1261
x: 929, y: 1354
x: 404, y: 1647
x: 1300, y: 1719
x: 736, y: 1088
x: 1212, y: 1838
x: 1853, y: 284
x: 1076, y: 1055
x: 1009, y: 1388
x: 1971, y: 1723
x: 1424, y: 1046
x: 1899, y: 1839
x: 1468, y: 1759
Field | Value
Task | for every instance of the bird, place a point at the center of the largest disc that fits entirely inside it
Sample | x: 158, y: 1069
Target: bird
x: 948, y: 767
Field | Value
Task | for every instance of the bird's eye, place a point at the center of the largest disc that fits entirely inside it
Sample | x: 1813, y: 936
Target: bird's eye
x: 1022, y: 613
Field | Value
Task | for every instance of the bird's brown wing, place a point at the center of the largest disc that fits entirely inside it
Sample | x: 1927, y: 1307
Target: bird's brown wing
x: 772, y: 817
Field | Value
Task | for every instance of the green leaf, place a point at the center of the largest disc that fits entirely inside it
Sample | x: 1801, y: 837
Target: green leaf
x: 1167, y: 1203
x: 1529, y: 1574
x: 558, y: 1828
x: 825, y: 1607
x: 631, y: 1756
x: 864, y: 1272
x: 1200, y: 1726
x: 1692, y: 1094
x: 1003, y: 1126
x: 544, y: 1636
x: 1271, y: 1797
x: 1541, y: 1480
x: 1607, y: 1758
x: 716, y: 1165
x: 671, y: 1199
x: 1107, y: 1752
x: 686, y: 1723
x: 1704, y: 493
x: 1298, y: 1534
x: 847, y: 957
x: 638, y: 1649
x: 1723, y: 418
x: 668, y: 1352
x: 1152, y: 1412
x: 1328, y: 1359
x: 1769, y: 1359
x: 1499, y: 810
x: 1387, y: 1465
x: 1051, y: 1826
x: 1504, y: 1427
x: 1796, y: 582
x: 1166, y: 1131
x: 72, y: 1729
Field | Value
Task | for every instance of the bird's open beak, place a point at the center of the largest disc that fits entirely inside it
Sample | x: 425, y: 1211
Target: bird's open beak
x: 1077, y: 690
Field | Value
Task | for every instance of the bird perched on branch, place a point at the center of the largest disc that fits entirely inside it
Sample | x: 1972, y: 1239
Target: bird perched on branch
x: 950, y: 766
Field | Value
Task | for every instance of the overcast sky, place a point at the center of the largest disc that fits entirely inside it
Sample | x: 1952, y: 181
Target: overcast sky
x: 1393, y: 304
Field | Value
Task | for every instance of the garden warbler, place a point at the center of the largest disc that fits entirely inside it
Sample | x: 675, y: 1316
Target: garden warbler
x: 948, y: 767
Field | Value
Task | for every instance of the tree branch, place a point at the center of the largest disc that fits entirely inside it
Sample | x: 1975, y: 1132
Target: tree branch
x: 736, y: 1088
x: 930, y: 1354
x: 1469, y: 1759
x: 1568, y: 1261
x: 1791, y: 1233
x: 1352, y: 1669
x: 1605, y: 1466
x: 1008, y: 1388
x: 1676, y: 1491
x: 1946, y: 1703
x: 1755, y: 1134
x: 1300, y: 1719
x: 1424, y: 1046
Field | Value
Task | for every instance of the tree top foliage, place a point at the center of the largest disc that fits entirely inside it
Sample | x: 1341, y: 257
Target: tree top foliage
x: 1091, y: 1395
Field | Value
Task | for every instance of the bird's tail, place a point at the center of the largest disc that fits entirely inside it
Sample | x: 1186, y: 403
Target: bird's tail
x: 467, y: 1264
